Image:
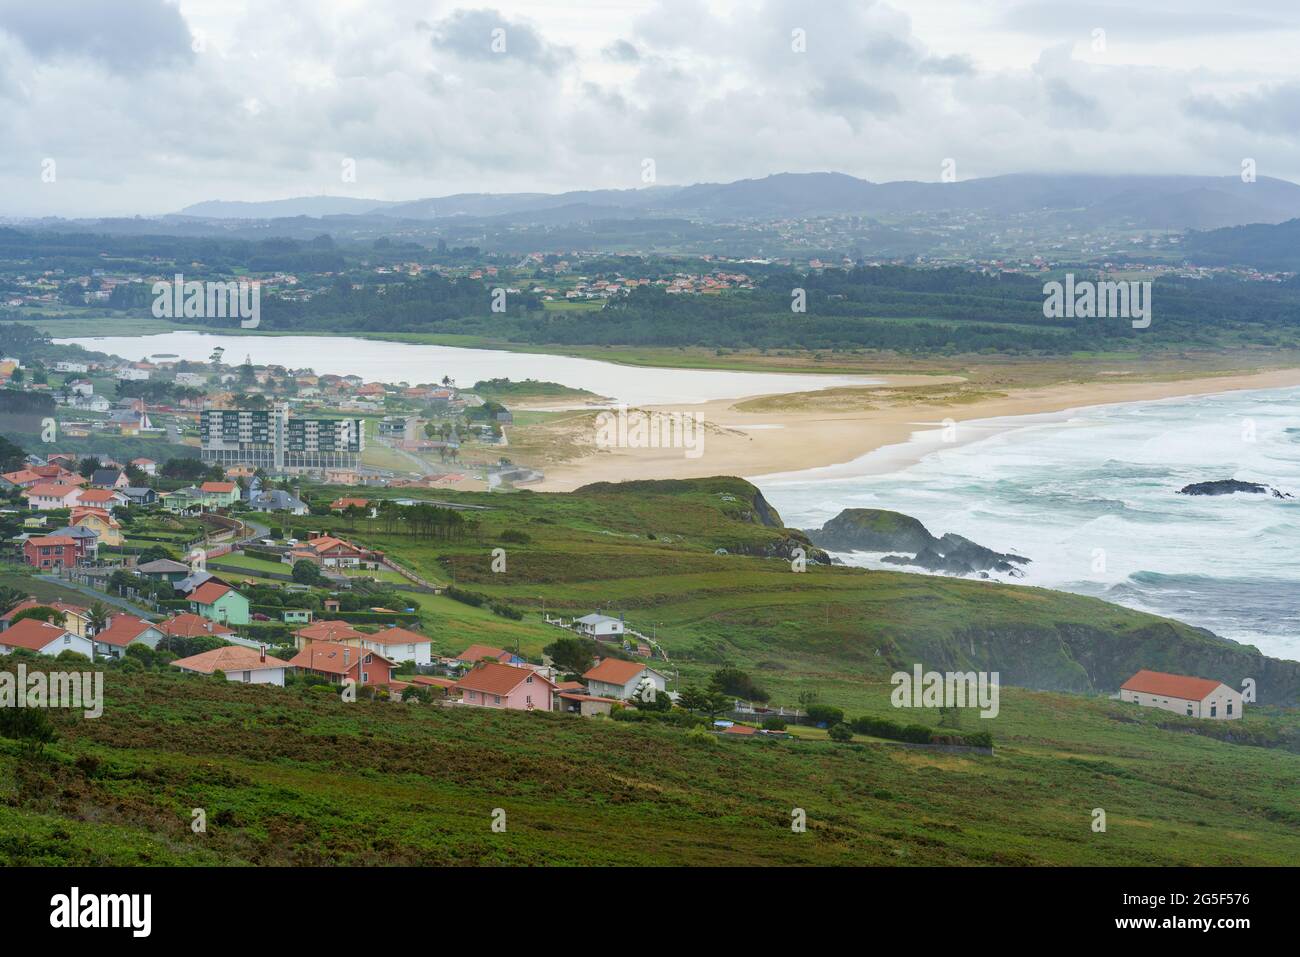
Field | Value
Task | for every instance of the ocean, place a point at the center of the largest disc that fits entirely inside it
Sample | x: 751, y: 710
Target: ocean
x: 1091, y: 497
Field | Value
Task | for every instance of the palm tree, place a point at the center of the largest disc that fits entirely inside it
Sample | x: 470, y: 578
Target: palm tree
x: 97, y: 618
x: 9, y: 597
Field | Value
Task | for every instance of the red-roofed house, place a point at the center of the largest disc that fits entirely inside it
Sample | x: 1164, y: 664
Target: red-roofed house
x: 52, y: 551
x: 186, y: 625
x: 331, y: 552
x: 45, y: 496
x: 330, y: 630
x: 250, y: 666
x: 339, y: 504
x: 1191, y: 697
x: 220, y: 602
x: 339, y: 662
x: 587, y: 705
x: 124, y: 630
x: 493, y: 685
x: 220, y: 494
x: 622, y: 679
x: 103, y: 498
x: 98, y: 520
x: 398, y: 644
x: 476, y: 653
x: 42, y: 637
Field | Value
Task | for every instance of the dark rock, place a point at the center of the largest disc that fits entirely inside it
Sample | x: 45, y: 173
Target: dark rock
x: 878, y: 530
x: 1230, y: 487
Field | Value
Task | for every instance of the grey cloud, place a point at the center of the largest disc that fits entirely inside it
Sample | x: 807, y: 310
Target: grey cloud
x: 127, y: 36
x: 620, y: 51
x: 955, y: 65
x: 1273, y: 110
x: 469, y: 34
x: 1178, y: 18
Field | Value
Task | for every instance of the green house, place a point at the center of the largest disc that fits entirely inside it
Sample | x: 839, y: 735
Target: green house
x: 219, y: 602
x: 297, y: 616
x: 182, y: 500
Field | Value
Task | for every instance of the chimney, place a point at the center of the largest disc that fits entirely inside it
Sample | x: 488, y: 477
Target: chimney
x: 263, y: 652
x: 347, y: 653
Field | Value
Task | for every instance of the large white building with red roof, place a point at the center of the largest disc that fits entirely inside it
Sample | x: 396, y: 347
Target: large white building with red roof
x: 1190, y: 697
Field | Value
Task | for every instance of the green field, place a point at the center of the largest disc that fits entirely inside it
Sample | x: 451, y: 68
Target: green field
x: 289, y: 778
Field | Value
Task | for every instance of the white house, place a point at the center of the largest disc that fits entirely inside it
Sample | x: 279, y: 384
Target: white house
x: 42, y: 637
x: 133, y: 375
x: 398, y: 644
x: 123, y: 631
x: 46, y: 496
x: 612, y: 678
x: 1191, y: 697
x: 250, y: 666
x: 599, y: 626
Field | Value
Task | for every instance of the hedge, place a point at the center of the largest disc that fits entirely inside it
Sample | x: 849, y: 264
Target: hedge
x: 918, y: 733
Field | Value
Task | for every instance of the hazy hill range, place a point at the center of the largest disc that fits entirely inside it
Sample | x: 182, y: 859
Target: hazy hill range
x: 1166, y: 202
x: 1265, y: 245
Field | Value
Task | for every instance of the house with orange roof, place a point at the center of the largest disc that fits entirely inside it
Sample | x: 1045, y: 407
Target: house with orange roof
x: 476, y: 653
x: 220, y: 494
x: 495, y: 685
x: 329, y: 630
x: 400, y: 644
x: 52, y: 552
x: 1190, y: 697
x: 340, y: 504
x: 444, y: 687
x: 330, y: 552
x: 22, y: 478
x: 43, y: 638
x: 587, y: 705
x: 339, y: 663
x: 76, y: 619
x: 123, y: 631
x: 104, y: 498
x: 187, y: 625
x: 250, y: 666
x: 98, y: 520
x: 218, y: 601
x: 46, y: 496
x: 614, y: 678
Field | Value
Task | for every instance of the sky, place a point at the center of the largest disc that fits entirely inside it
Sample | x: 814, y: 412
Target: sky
x: 142, y: 107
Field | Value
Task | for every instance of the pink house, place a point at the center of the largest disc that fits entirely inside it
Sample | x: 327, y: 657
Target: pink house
x: 495, y: 685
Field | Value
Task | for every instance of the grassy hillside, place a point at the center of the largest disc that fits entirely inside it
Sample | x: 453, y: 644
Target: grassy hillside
x: 647, y: 549
x: 286, y: 777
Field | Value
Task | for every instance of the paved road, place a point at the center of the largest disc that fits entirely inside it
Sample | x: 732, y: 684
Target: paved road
x: 105, y: 597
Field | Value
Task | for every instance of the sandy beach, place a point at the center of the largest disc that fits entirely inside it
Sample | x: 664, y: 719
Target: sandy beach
x: 771, y: 435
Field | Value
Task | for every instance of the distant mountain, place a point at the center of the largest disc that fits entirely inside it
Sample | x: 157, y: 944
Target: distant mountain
x: 1158, y: 202
x: 280, y: 208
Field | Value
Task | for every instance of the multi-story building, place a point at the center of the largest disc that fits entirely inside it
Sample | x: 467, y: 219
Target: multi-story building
x: 273, y: 440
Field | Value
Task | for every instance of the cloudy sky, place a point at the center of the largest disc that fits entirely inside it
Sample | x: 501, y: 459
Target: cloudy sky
x: 119, y: 107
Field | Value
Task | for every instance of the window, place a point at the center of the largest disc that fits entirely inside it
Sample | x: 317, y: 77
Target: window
x: 365, y: 677
x: 67, y: 639
x: 496, y: 699
x: 1214, y: 709
x: 528, y: 700
x: 1189, y: 709
x: 528, y: 680
x: 1229, y: 707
